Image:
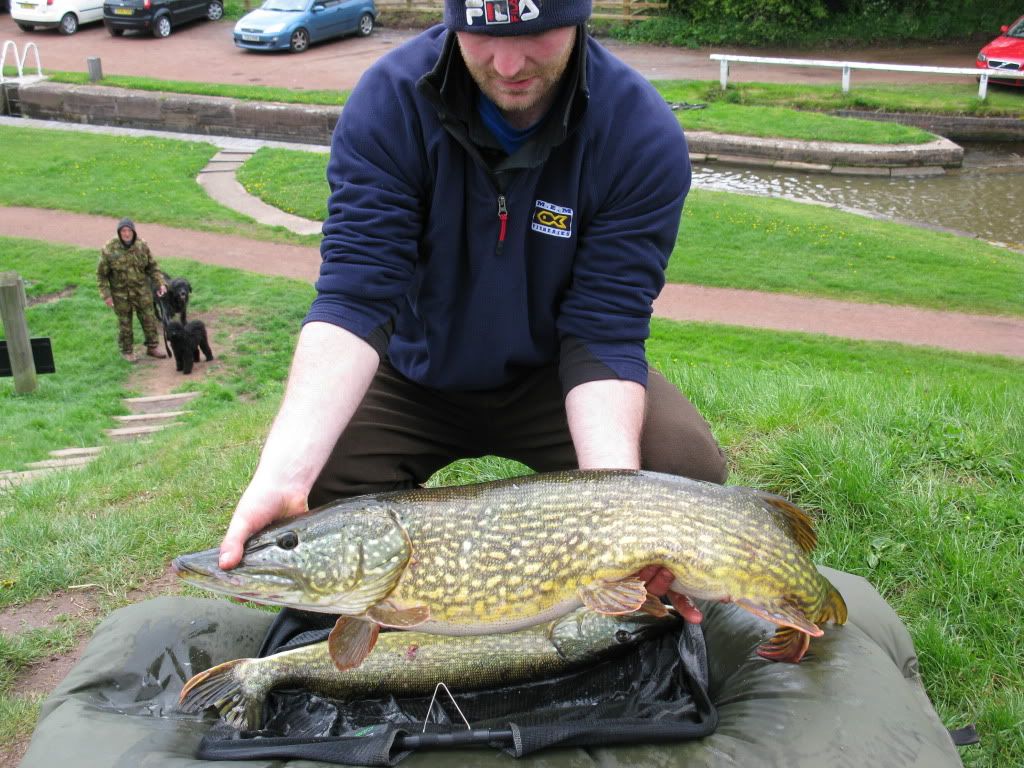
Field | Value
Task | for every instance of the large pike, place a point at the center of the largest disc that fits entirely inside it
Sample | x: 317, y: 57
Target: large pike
x: 413, y: 663
x: 501, y: 556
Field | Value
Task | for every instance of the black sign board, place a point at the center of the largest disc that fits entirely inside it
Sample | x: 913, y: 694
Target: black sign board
x: 42, y: 356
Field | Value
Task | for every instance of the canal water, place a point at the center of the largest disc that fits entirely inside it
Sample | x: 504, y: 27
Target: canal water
x: 984, y: 198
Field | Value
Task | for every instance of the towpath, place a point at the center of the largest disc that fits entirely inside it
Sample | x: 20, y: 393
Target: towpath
x: 905, y: 325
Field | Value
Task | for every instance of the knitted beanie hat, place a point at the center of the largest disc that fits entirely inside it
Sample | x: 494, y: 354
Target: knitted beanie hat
x: 514, y: 17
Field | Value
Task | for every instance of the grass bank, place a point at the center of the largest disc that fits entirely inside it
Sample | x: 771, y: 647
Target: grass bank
x: 740, y: 241
x: 151, y: 179
x: 911, y: 461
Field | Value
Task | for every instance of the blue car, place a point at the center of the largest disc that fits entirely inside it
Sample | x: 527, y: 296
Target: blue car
x: 294, y: 24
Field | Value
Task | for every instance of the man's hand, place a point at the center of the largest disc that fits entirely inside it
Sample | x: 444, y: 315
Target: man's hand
x: 161, y: 291
x: 259, y: 506
x: 658, y: 581
x: 108, y: 301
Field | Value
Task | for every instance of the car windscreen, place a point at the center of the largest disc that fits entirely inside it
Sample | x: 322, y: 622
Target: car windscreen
x: 284, y: 5
x: 1017, y: 30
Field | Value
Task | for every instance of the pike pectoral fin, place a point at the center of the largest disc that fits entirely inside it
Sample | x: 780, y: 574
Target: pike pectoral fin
x: 787, y: 644
x: 614, y: 597
x: 389, y: 615
x: 351, y: 641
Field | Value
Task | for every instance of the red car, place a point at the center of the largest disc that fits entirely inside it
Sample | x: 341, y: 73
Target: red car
x: 1005, y: 53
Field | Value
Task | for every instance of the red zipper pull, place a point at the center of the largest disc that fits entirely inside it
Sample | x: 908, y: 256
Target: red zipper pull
x: 502, y: 217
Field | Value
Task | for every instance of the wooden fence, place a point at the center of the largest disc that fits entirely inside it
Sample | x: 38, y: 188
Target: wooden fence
x: 623, y: 10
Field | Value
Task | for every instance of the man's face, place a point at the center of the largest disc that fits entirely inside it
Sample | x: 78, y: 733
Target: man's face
x: 126, y: 234
x: 519, y: 73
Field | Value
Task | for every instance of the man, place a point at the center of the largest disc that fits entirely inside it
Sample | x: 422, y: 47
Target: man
x: 125, y: 274
x: 505, y: 196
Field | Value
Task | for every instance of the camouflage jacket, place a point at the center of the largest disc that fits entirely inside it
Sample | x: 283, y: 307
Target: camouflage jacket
x: 131, y: 270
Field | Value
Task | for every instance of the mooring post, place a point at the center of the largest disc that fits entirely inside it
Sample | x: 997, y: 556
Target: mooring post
x: 12, y: 313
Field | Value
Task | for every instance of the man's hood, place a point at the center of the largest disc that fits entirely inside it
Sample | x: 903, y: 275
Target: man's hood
x: 126, y: 222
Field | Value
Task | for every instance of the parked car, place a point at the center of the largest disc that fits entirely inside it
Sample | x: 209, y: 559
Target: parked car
x: 1005, y: 53
x: 65, y: 15
x: 157, y: 16
x: 294, y: 24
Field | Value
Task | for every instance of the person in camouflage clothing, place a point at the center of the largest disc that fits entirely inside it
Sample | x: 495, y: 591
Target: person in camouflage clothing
x: 125, y: 274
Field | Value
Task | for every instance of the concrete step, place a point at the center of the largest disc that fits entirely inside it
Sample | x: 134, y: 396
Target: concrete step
x: 159, y: 403
x: 149, y: 419
x: 67, y: 453
x: 65, y: 463
x: 8, y: 479
x: 124, y: 434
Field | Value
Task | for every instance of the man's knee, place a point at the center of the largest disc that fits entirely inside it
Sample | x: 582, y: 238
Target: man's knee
x: 676, y: 438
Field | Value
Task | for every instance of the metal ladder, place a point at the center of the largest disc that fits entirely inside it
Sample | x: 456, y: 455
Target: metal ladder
x: 10, y: 104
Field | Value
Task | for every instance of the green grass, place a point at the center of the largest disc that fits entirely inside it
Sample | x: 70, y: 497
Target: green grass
x: 910, y: 459
x: 739, y: 241
x: 938, y: 98
x: 152, y: 179
x: 72, y: 407
x: 229, y: 90
x: 293, y: 181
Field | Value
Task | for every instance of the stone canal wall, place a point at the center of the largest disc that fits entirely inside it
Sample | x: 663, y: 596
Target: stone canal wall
x: 313, y: 124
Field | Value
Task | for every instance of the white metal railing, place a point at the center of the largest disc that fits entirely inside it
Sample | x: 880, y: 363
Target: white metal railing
x: 983, y: 75
x: 19, y: 59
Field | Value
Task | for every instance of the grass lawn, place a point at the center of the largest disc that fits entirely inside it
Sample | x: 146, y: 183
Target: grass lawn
x: 72, y: 407
x: 153, y: 179
x: 759, y: 243
x: 911, y: 461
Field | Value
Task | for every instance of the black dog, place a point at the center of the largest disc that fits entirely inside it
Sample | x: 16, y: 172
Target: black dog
x: 186, y: 341
x: 175, y: 301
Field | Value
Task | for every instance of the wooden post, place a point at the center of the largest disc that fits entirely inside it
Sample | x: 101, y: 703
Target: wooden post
x: 12, y: 312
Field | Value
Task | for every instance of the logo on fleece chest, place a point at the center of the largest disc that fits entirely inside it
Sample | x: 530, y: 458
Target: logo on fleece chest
x: 550, y: 219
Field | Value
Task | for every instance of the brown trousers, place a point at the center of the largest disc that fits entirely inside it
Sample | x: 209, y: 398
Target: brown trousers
x: 403, y: 432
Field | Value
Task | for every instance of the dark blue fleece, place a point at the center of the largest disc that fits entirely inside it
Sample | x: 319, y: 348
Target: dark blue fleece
x: 413, y: 259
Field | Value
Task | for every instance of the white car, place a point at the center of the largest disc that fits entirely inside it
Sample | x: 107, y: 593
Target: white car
x: 65, y: 15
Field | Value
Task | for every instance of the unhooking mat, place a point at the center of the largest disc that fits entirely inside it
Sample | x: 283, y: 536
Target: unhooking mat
x: 857, y: 701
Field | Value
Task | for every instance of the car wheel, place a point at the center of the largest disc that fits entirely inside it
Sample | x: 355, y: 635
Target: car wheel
x: 24, y: 27
x: 215, y: 11
x: 365, y: 24
x: 68, y: 24
x: 299, y: 41
x: 115, y: 32
x: 162, y: 27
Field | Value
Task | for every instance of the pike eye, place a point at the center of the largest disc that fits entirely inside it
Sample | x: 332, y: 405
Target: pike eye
x: 288, y: 540
x: 621, y: 636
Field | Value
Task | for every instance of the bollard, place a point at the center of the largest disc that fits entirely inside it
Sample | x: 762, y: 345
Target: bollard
x: 95, y: 69
x: 12, y: 312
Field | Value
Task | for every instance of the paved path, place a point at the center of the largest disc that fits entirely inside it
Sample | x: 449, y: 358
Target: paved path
x: 948, y: 330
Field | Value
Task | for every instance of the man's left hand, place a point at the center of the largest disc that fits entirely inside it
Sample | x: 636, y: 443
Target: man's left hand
x: 161, y: 290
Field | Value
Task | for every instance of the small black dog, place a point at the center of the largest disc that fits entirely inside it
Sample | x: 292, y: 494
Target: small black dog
x: 175, y: 301
x: 186, y: 341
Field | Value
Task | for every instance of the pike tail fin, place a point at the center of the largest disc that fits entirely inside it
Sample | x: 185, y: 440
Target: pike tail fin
x: 220, y: 687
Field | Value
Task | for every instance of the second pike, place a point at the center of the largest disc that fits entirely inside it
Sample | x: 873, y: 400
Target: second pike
x: 413, y: 663
x: 501, y: 556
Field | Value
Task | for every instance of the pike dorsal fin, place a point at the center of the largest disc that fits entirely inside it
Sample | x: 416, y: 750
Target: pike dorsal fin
x: 799, y: 522
x: 614, y: 597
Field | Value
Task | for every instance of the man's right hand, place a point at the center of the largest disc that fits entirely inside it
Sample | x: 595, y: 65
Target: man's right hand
x: 259, y: 506
x: 108, y: 301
